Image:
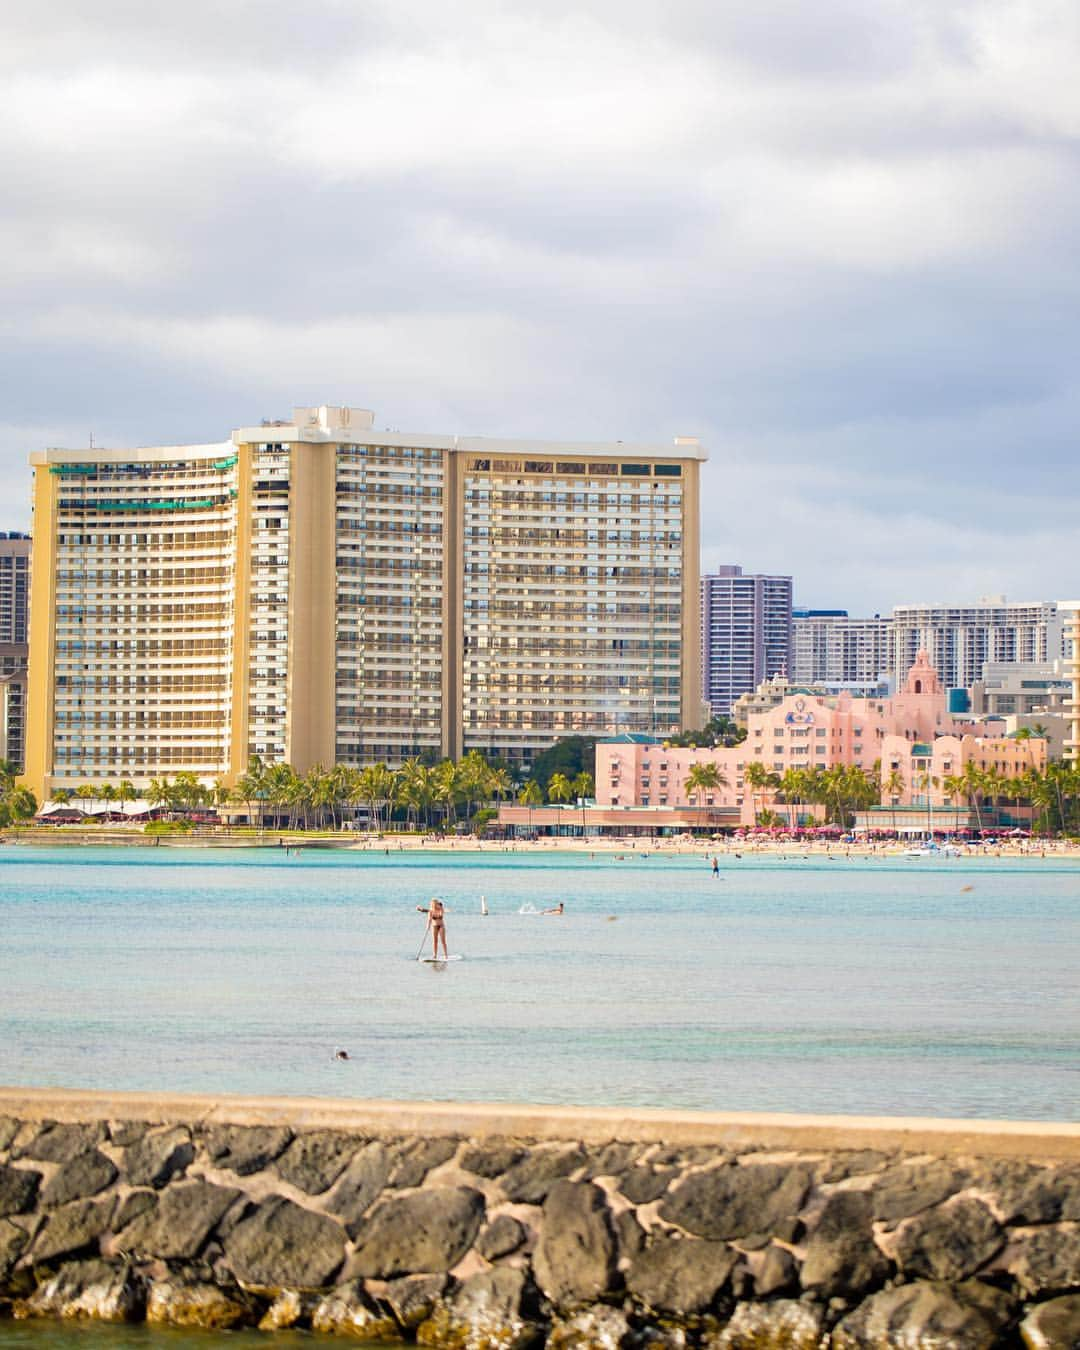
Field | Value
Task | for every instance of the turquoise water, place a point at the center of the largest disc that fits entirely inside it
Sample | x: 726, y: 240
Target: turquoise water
x: 866, y: 986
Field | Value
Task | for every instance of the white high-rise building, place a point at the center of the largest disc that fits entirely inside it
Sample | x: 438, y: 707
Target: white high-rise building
x: 961, y: 638
x: 833, y: 651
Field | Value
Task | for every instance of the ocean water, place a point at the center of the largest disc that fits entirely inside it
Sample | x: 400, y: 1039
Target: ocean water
x: 879, y: 986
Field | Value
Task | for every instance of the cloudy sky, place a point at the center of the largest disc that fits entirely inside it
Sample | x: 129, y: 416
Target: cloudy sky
x: 838, y: 240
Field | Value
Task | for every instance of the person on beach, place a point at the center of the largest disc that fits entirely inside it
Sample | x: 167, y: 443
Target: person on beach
x: 436, y: 913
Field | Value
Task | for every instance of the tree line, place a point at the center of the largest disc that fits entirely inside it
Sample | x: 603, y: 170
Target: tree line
x: 421, y: 796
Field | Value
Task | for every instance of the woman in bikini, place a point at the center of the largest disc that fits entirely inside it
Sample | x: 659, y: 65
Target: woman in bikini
x: 436, y: 913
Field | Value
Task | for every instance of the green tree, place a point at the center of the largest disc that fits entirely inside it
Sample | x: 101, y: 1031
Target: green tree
x: 893, y: 788
x: 559, y: 788
x: 531, y: 795
x: 582, y: 787
x: 703, y: 778
x: 569, y: 756
x: 758, y: 778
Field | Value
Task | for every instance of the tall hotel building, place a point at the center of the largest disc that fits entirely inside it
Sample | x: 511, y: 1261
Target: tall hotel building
x: 959, y: 638
x: 745, y: 633
x: 320, y: 592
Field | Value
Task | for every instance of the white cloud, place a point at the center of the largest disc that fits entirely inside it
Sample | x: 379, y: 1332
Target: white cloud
x: 838, y: 240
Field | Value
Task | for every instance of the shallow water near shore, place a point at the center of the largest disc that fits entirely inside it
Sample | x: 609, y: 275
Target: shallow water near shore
x: 46, y: 1335
x: 862, y: 986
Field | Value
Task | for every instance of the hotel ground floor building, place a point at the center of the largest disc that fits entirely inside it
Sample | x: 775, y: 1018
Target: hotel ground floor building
x: 318, y: 592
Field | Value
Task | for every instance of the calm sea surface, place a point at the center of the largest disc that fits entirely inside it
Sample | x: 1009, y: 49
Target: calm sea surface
x: 883, y: 986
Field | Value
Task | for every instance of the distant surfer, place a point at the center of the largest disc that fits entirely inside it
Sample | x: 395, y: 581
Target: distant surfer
x: 558, y: 909
x: 436, y: 913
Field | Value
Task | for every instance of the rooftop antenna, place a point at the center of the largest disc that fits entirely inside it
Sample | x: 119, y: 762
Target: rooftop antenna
x: 91, y: 440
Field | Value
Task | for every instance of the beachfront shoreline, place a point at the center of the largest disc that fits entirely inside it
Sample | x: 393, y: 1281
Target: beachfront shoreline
x: 730, y: 848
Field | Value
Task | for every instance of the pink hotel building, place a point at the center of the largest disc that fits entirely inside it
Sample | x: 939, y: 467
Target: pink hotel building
x: 912, y: 734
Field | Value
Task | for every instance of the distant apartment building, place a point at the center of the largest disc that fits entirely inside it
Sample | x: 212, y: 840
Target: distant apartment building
x: 1006, y: 689
x: 14, y: 627
x: 831, y: 650
x: 745, y: 633
x: 961, y: 638
x: 318, y: 592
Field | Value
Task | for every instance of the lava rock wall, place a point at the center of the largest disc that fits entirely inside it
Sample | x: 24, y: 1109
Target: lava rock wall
x: 494, y: 1240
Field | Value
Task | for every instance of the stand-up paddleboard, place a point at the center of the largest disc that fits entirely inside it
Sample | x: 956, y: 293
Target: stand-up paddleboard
x: 438, y: 960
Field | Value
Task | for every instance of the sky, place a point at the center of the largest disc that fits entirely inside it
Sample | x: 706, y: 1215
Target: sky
x: 837, y: 241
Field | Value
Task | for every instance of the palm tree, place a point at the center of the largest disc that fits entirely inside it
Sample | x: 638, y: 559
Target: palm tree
x: 531, y: 795
x: 952, y: 784
x: 559, y: 788
x: 446, y: 788
x: 974, y: 785
x: 893, y: 789
x: 926, y: 782
x: 793, y: 785
x: 582, y: 788
x: 757, y: 776
x: 703, y: 778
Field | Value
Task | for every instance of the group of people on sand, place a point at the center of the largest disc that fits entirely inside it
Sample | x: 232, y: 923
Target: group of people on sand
x: 436, y: 925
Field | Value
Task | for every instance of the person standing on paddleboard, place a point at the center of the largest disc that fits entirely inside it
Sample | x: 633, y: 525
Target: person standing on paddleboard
x: 436, y: 913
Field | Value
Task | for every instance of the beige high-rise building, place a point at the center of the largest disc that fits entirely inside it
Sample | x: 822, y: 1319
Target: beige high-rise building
x: 320, y: 592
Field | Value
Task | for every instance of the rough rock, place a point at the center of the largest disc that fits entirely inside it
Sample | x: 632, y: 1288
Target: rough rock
x: 91, y: 1289
x: 72, y: 1228
x: 680, y: 1275
x: 501, y: 1237
x: 841, y: 1256
x: 124, y: 1133
x: 727, y: 1202
x: 423, y: 1233
x: 60, y: 1143
x: 911, y: 1187
x: 285, y: 1311
x: 529, y: 1181
x: 1047, y: 1260
x: 591, y: 1329
x: 856, y: 1163
x: 782, y: 1325
x: 485, y: 1313
x: 282, y: 1244
x: 612, y: 1160
x: 949, y: 1242
x: 416, y: 1159
x: 778, y: 1273
x: 347, y: 1311
x: 926, y: 1314
x: 18, y: 1190
x: 314, y: 1161
x: 1051, y: 1194
x: 575, y: 1257
x: 642, y: 1185
x: 413, y: 1298
x: 630, y: 1235
x: 9, y: 1128
x: 1054, y: 1325
x: 361, y: 1185
x: 491, y: 1161
x: 85, y: 1175
x: 155, y: 1159
x: 177, y: 1303
x: 245, y: 1149
x: 133, y: 1205
x: 179, y: 1225
x: 12, y: 1244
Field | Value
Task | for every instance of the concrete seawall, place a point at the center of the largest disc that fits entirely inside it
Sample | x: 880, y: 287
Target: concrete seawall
x: 483, y: 1226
